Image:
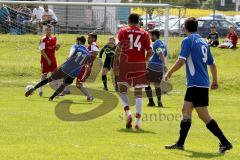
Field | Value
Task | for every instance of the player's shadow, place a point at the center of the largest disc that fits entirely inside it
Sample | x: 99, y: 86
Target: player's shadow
x: 135, y: 131
x: 208, y: 155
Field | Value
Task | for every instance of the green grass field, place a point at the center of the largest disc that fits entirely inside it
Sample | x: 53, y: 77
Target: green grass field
x: 30, y: 129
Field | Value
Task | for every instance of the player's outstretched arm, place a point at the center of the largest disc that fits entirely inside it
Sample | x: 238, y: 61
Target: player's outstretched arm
x: 179, y: 63
x: 213, y: 70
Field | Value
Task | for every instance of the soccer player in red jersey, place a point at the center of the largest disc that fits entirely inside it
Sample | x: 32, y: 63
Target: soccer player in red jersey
x: 130, y: 62
x: 85, y: 73
x: 48, y: 47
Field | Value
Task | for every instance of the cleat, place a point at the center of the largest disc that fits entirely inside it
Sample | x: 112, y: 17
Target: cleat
x: 129, y: 122
x: 29, y: 92
x: 224, y: 148
x: 61, y: 94
x: 40, y: 94
x: 160, y: 104
x: 105, y: 89
x: 137, y: 125
x: 151, y: 104
x: 174, y: 146
x: 90, y: 99
x: 50, y: 99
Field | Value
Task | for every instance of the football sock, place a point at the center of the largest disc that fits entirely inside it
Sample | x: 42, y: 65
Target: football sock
x: 148, y: 91
x: 127, y: 110
x: 84, y: 91
x: 138, y: 105
x: 58, y: 91
x: 42, y: 83
x: 158, y: 93
x: 138, y: 117
x: 184, y: 128
x: 104, y: 79
x: 125, y: 102
x: 213, y: 127
x: 124, y: 99
x: 41, y: 88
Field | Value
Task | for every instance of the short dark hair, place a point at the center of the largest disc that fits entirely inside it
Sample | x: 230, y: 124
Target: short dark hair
x: 134, y: 18
x: 155, y: 32
x: 81, y: 39
x: 93, y: 35
x: 191, y: 24
x: 49, y: 26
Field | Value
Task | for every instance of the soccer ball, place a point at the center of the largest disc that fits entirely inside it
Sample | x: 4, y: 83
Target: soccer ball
x: 28, y: 87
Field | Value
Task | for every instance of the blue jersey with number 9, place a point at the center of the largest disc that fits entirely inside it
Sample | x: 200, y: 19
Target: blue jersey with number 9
x: 197, y: 55
x: 79, y: 56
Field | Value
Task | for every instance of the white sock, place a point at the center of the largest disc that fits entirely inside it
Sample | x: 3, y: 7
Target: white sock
x: 138, y: 122
x: 85, y: 92
x: 41, y: 88
x: 125, y: 103
x: 124, y: 99
x: 139, y: 103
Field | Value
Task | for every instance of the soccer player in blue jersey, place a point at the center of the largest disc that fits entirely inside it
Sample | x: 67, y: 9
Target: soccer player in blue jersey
x: 79, y: 56
x: 156, y: 67
x: 196, y: 54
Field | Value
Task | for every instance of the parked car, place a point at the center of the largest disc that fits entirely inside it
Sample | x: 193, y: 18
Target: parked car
x: 231, y: 19
x: 155, y: 22
x: 122, y: 24
x: 222, y: 26
x: 147, y: 18
x: 217, y: 16
x: 237, y: 25
x: 175, y: 27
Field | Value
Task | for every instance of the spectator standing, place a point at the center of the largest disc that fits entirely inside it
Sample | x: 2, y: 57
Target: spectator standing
x: 4, y: 19
x: 23, y: 19
x: 48, y: 17
x: 36, y: 18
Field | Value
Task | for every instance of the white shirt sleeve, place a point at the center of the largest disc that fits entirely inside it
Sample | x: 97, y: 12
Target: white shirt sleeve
x: 71, y: 51
x: 42, y: 46
x: 94, y: 48
x: 53, y: 15
x: 34, y: 12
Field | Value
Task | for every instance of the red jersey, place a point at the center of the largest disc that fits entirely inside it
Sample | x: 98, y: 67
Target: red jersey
x: 233, y: 37
x: 48, y: 44
x: 93, y: 48
x: 84, y: 74
x: 133, y: 42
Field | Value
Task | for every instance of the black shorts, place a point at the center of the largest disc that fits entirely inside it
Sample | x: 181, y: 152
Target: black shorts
x: 198, y: 96
x: 154, y: 76
x: 108, y: 63
x: 59, y: 74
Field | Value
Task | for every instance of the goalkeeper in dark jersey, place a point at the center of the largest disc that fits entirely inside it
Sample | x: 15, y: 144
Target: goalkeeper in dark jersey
x: 109, y: 50
x: 79, y: 56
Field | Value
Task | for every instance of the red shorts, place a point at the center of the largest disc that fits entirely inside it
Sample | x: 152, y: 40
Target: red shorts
x: 133, y: 75
x: 83, y: 75
x: 45, y: 68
